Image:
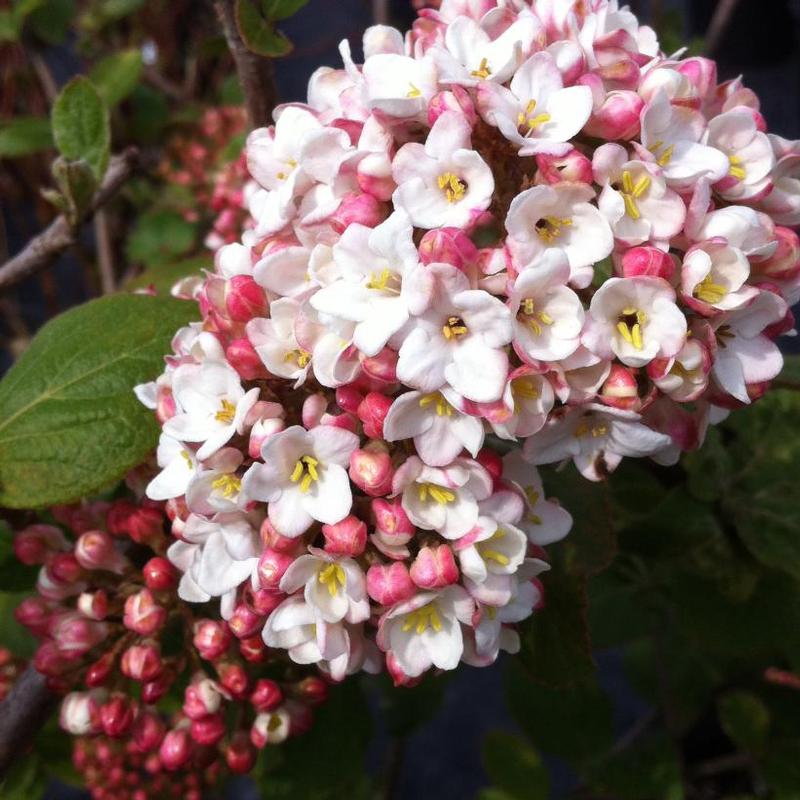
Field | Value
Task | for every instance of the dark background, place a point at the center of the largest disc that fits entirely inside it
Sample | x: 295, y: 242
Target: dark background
x: 442, y: 759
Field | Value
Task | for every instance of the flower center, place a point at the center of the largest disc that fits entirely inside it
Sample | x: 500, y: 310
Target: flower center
x: 300, y: 357
x: 305, y: 472
x: 413, y: 92
x: 709, y: 292
x: 452, y: 187
x: 443, y: 408
x: 433, y: 492
x: 524, y: 389
x: 187, y: 458
x: 631, y: 192
x: 666, y: 153
x: 489, y: 553
x: 533, y: 499
x: 228, y: 485
x: 423, y: 618
x: 483, y: 71
x: 384, y: 281
x: 454, y: 328
x: 723, y: 333
x: 226, y: 413
x: 534, y: 319
x: 527, y: 120
x: 585, y: 429
x: 629, y: 326
x: 550, y: 228
x: 332, y: 577
x: 291, y: 163
x: 737, y: 171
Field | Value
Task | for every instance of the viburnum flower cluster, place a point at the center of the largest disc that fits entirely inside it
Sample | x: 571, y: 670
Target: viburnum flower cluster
x: 521, y: 223
x: 162, y: 700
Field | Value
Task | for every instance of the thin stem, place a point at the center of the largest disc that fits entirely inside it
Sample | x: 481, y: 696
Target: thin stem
x: 105, y: 256
x: 719, y: 24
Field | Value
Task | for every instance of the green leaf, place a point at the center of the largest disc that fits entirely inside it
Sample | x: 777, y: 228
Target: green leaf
x: 80, y: 125
x: 745, y: 719
x: 77, y: 185
x: 160, y: 237
x: 117, y: 75
x: 281, y: 9
x: 163, y: 277
x: 11, y: 22
x: 555, y: 641
x: 514, y: 767
x: 22, y: 136
x: 258, y: 34
x: 69, y: 421
x: 51, y: 21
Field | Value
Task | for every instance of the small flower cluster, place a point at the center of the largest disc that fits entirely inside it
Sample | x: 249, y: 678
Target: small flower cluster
x: 122, y: 648
x: 519, y: 222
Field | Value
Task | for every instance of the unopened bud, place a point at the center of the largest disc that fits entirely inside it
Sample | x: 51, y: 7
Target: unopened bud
x: 388, y: 584
x: 434, y: 567
x: 143, y: 614
x: 211, y: 638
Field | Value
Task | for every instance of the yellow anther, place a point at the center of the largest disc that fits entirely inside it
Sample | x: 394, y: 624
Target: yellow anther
x: 710, y: 292
x: 413, y: 92
x: 383, y: 281
x: 436, y: 493
x: 274, y: 723
x: 664, y: 159
x: 229, y: 485
x: 483, y: 71
x: 631, y: 192
x: 524, y: 388
x: 452, y: 187
x: 584, y: 429
x: 291, y: 163
x: 300, y: 357
x: 533, y: 498
x: 549, y: 228
x: 737, y: 171
x: 497, y: 557
x: 454, y: 328
x: 532, y: 318
x: 226, y: 413
x: 423, y: 618
x: 491, y: 612
x: 630, y: 327
x: 443, y: 408
x: 527, y: 119
x: 187, y: 458
x: 305, y: 472
x: 332, y: 577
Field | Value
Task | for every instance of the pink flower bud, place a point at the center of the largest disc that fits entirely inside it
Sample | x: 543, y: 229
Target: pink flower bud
x: 34, y: 614
x: 153, y: 691
x: 208, y: 730
x: 148, y: 732
x: 202, y: 697
x: 784, y: 264
x: 65, y: 568
x: 388, y: 584
x: 381, y: 368
x: 116, y: 716
x: 314, y: 406
x: 211, y: 638
x: 271, y: 566
x: 574, y: 167
x: 371, y: 470
x: 176, y: 749
x: 241, y: 355
x: 434, y: 567
x: 75, y: 636
x: 702, y: 74
x: 244, y: 621
x: 392, y: 521
x: 492, y: 462
x: 311, y: 690
x: 348, y: 398
x: 262, y: 430
x: 617, y: 117
x: 234, y: 680
x: 143, y: 524
x: 647, y: 261
x: 372, y: 412
x: 264, y: 601
x: 143, y: 614
x: 52, y: 589
x: 266, y: 696
x: 457, y: 99
x: 142, y: 662
x: 245, y: 299
x: 165, y: 405
x: 448, y: 246
x: 97, y: 674
x: 240, y: 755
x: 159, y: 574
x: 49, y: 660
x: 253, y: 649
x: 346, y: 538
x: 33, y: 544
x: 361, y: 209
x: 93, y: 605
x: 621, y: 389
x: 80, y: 713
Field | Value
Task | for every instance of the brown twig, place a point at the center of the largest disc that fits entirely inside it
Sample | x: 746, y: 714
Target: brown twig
x: 718, y: 26
x: 105, y: 256
x: 22, y: 714
x: 60, y: 235
x: 380, y: 12
x: 255, y: 72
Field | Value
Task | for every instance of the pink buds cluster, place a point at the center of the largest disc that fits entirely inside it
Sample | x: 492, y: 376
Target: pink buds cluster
x: 121, y: 646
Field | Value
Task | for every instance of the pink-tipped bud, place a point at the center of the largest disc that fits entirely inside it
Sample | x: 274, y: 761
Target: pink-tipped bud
x: 75, y: 636
x: 574, y: 167
x: 266, y: 696
x: 241, y: 355
x: 245, y: 299
x: 456, y: 99
x: 208, y: 730
x: 372, y: 411
x: 253, y: 649
x: 784, y: 264
x: 348, y: 398
x: 117, y: 715
x: 176, y: 749
x: 142, y: 662
x: 159, y: 574
x: 80, y: 713
x: 234, y: 680
x: 201, y: 698
x: 262, y: 430
x: 346, y: 538
x: 211, y: 638
x: 35, y: 543
x: 617, y: 117
x: 620, y: 389
x: 93, y: 605
x: 148, y: 732
x: 647, y: 261
x: 244, y: 621
x: 382, y: 367
x: 492, y: 462
x: 34, y: 614
x: 98, y: 673
x: 371, y: 470
x: 49, y: 660
x: 361, y: 209
x: 154, y: 690
x: 270, y: 727
x: 702, y: 74
x: 240, y: 755
x: 392, y: 521
x: 271, y: 566
x: 52, y: 589
x: 448, y: 246
x: 399, y: 677
x: 143, y: 524
x: 274, y: 540
x: 65, y: 568
x: 264, y: 601
x: 143, y: 614
x: 311, y: 690
x: 388, y: 584
x: 314, y: 406
x: 434, y: 567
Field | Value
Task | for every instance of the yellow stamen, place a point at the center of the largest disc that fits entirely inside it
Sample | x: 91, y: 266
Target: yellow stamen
x: 437, y: 493
x: 414, y: 92
x: 226, y: 413
x: 443, y: 408
x: 524, y: 388
x: 187, y: 458
x: 423, y: 618
x: 710, y: 292
x: 300, y: 357
x: 332, y: 577
x: 532, y: 317
x: 305, y: 472
x: 533, y: 499
x: 383, y: 281
x: 630, y: 327
x: 483, y: 71
x: 452, y: 187
x: 549, y: 228
x: 454, y: 328
x: 664, y: 159
x: 527, y: 119
x: 632, y: 192
x: 737, y: 171
x: 494, y: 555
x: 584, y: 429
x: 229, y: 485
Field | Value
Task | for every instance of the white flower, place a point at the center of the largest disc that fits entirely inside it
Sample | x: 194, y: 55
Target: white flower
x: 559, y: 217
x: 714, y: 275
x: 275, y: 341
x: 285, y: 271
x: 459, y: 341
x: 443, y: 499
x: 635, y: 198
x: 548, y: 315
x: 178, y: 466
x: 212, y: 405
x: 636, y: 320
x: 398, y: 85
x: 527, y: 400
x: 491, y: 548
x: 381, y: 282
x: 304, y: 477
x: 216, y: 487
x: 443, y: 182
x: 334, y: 587
x: 425, y: 631
x: 536, y: 113
x: 437, y: 425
